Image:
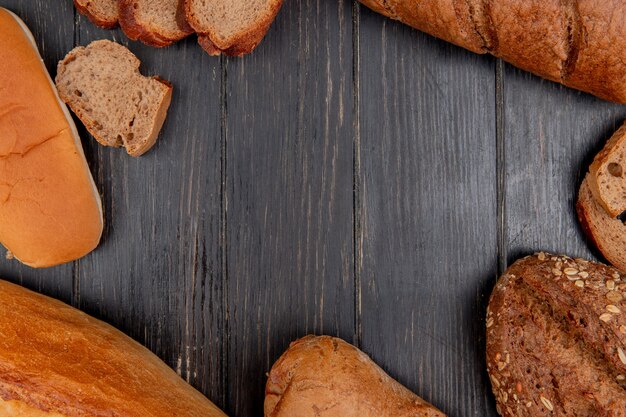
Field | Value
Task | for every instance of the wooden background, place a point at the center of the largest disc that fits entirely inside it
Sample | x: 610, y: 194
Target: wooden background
x: 351, y: 177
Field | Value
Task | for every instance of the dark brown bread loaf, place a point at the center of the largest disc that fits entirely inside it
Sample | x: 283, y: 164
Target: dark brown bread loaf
x: 327, y: 377
x: 579, y: 43
x: 556, y: 333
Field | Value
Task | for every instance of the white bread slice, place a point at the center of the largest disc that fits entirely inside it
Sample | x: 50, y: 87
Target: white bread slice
x: 156, y: 23
x: 103, y: 13
x: 608, y: 174
x: 232, y: 27
x: 119, y: 106
x: 607, y: 233
x: 50, y: 209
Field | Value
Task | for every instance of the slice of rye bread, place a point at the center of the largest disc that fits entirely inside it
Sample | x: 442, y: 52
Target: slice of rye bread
x: 608, y: 174
x: 232, y: 27
x: 607, y: 233
x: 103, y: 13
x: 156, y: 23
x: 556, y: 333
x: 101, y: 83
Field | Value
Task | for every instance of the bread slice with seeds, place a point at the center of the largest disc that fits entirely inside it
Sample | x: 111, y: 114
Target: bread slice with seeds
x: 156, y: 23
x: 232, y: 27
x: 103, y: 13
x: 608, y: 174
x: 608, y: 234
x: 120, y: 107
x: 556, y: 346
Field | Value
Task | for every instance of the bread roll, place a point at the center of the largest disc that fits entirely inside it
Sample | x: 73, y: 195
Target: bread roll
x: 50, y: 210
x: 579, y: 43
x: 57, y: 361
x: 322, y: 376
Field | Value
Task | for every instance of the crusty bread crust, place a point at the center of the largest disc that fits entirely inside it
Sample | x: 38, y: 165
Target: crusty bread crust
x: 327, y: 377
x: 56, y: 361
x: 606, y: 233
x: 240, y: 44
x: 579, y: 43
x: 137, y: 30
x: 50, y: 210
x: 94, y: 18
x: 555, y: 330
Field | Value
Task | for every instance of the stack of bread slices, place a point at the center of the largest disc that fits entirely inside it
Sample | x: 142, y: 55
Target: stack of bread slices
x: 602, y: 200
x: 232, y: 27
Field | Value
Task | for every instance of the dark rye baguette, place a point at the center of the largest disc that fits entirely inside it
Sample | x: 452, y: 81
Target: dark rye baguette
x: 156, y: 23
x: 579, y: 43
x: 56, y: 361
x: 556, y: 328
x: 322, y: 376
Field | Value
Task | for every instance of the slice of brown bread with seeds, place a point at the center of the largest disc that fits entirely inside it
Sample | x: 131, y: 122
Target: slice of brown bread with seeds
x: 608, y: 174
x: 120, y: 107
x: 607, y: 233
x: 556, y: 339
x: 103, y: 13
x: 232, y: 27
x: 154, y: 22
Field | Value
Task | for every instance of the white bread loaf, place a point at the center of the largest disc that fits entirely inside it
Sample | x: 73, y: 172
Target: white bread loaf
x: 50, y: 209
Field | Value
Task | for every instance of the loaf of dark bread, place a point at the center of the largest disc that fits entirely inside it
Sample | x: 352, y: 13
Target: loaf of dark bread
x: 556, y: 329
x: 579, y: 43
x: 322, y: 376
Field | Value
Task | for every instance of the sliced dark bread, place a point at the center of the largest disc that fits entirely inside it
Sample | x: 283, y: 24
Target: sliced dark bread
x: 120, y: 107
x: 607, y: 233
x: 608, y: 174
x: 154, y: 22
x: 232, y: 27
x: 556, y: 346
x: 103, y: 13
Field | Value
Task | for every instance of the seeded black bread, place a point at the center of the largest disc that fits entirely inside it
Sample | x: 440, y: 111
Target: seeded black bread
x: 154, y: 22
x: 103, y: 13
x: 231, y: 27
x: 556, y: 333
x: 322, y: 376
x: 101, y: 83
x: 608, y: 174
x: 579, y: 43
x: 607, y: 234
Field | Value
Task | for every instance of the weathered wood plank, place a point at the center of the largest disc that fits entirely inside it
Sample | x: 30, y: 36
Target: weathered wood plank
x: 53, y: 39
x: 428, y: 211
x: 289, y: 192
x: 551, y: 135
x: 157, y: 274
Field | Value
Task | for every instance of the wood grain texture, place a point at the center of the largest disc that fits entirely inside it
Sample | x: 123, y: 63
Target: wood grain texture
x: 428, y: 205
x: 551, y: 134
x: 351, y: 177
x: 52, y: 40
x: 289, y: 192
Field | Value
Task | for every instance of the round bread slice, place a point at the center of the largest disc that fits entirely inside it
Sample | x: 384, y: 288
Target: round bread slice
x: 232, y: 27
x: 101, y: 83
x: 556, y: 328
x: 156, y: 23
x: 103, y: 13
x: 607, y: 178
x: 608, y: 234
